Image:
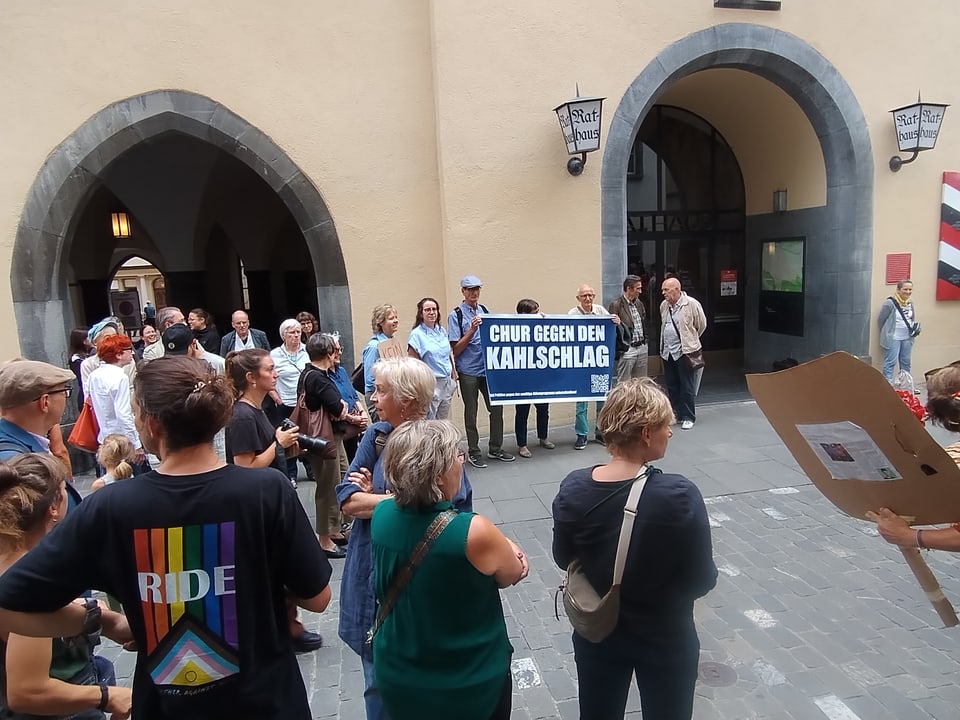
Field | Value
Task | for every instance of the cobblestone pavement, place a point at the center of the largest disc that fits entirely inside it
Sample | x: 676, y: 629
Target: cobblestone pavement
x: 813, y: 616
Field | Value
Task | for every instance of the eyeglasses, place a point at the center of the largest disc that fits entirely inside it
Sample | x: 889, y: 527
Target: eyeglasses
x: 338, y: 350
x: 462, y: 455
x: 586, y: 295
x: 67, y: 392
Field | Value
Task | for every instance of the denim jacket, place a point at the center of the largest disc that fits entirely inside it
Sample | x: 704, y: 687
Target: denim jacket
x: 358, y: 606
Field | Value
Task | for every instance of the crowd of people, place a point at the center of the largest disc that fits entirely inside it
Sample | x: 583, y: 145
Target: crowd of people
x: 209, y: 553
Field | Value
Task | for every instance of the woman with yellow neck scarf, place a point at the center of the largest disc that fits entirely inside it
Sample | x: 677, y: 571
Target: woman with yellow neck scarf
x: 898, y: 329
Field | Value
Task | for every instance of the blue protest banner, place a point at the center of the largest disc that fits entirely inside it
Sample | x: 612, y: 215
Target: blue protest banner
x: 553, y: 358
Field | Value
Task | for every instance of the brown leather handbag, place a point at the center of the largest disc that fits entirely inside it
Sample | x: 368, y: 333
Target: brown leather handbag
x: 315, y: 423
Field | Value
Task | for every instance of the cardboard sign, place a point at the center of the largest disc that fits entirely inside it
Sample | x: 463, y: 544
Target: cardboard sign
x: 857, y: 441
x: 391, y: 348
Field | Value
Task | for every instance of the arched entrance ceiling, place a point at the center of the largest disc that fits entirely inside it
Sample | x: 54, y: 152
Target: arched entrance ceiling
x: 840, y: 235
x: 77, y: 167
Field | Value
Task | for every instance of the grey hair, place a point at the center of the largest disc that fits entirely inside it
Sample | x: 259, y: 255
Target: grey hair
x: 165, y: 315
x: 380, y: 313
x: 408, y: 379
x: 417, y: 453
x: 287, y: 324
x: 320, y: 345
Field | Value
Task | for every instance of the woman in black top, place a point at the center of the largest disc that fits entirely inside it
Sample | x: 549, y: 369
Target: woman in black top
x: 253, y: 442
x: 201, y: 554
x: 251, y: 439
x: 669, y: 562
x: 204, y: 330
x: 320, y: 392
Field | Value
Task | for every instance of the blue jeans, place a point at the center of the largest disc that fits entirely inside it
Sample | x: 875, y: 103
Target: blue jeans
x: 581, y: 426
x: 371, y: 696
x: 681, y: 388
x: 522, y: 415
x: 899, y: 350
x: 98, y: 670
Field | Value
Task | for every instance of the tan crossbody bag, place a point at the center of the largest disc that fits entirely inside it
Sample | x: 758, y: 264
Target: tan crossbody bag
x: 592, y: 616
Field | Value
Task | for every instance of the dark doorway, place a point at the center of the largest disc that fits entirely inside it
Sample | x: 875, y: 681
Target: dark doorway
x: 686, y: 215
x: 202, y: 214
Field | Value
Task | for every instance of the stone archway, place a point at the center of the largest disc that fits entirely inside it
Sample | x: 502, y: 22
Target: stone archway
x: 840, y: 235
x: 74, y: 169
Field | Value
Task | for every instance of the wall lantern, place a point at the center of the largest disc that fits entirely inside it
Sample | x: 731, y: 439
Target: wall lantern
x: 580, y: 125
x: 780, y: 201
x: 121, y: 224
x: 917, y: 127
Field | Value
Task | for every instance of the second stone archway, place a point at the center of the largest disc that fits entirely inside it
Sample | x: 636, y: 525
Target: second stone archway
x: 840, y: 234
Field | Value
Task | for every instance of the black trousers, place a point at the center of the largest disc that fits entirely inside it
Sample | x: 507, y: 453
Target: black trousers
x: 680, y: 388
x: 505, y: 704
x: 522, y: 416
x: 666, y: 674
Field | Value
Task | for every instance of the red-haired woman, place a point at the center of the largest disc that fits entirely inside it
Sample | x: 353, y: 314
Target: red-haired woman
x: 109, y: 390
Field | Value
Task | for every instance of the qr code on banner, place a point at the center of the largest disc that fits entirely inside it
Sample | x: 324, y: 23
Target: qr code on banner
x: 599, y: 383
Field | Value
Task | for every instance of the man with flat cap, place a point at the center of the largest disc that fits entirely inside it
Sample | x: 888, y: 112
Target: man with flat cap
x: 462, y: 324
x: 33, y: 396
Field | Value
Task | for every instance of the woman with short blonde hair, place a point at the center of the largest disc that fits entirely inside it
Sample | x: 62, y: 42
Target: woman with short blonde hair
x: 669, y: 562
x: 427, y: 660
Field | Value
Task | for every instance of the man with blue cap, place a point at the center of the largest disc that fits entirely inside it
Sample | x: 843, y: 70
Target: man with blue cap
x: 462, y: 324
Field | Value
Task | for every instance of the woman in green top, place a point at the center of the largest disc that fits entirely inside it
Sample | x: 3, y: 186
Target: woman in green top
x: 442, y: 651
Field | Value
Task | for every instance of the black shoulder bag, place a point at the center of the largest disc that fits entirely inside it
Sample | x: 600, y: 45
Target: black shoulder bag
x: 912, y: 328
x: 400, y: 580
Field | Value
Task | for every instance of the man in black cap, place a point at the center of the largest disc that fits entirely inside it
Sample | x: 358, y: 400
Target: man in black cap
x: 180, y: 340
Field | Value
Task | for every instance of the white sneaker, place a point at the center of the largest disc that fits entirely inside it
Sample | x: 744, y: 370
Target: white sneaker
x: 686, y: 424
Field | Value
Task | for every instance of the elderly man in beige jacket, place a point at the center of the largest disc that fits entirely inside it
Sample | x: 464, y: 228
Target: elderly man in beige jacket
x: 682, y: 324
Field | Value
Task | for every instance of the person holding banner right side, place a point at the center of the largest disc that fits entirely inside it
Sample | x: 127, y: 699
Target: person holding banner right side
x: 943, y: 406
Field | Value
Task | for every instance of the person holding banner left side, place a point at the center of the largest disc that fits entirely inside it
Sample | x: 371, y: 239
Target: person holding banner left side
x: 463, y: 323
x: 522, y: 412
x: 586, y: 306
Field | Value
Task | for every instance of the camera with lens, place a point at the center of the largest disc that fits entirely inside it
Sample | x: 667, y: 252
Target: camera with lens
x: 308, y: 443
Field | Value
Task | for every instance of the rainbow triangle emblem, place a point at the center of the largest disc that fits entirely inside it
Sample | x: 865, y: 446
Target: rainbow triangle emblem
x: 191, y: 657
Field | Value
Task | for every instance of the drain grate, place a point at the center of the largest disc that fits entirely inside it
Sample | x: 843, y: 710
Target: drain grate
x: 717, y: 674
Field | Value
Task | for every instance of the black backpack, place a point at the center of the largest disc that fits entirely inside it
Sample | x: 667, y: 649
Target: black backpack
x: 459, y: 313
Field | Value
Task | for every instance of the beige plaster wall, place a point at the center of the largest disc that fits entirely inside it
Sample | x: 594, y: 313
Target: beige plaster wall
x: 345, y: 90
x: 428, y: 128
